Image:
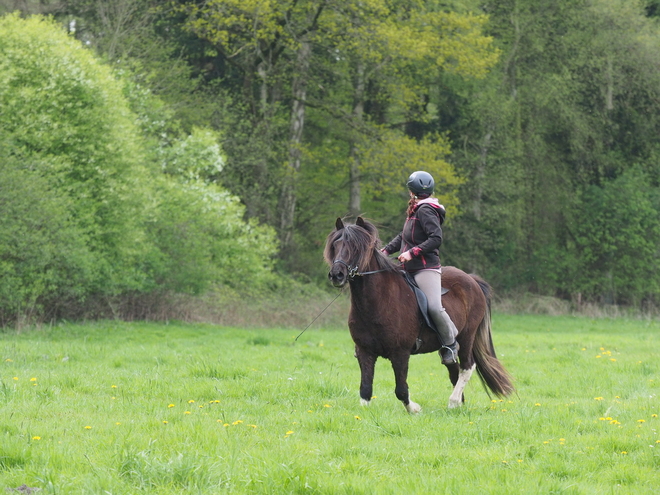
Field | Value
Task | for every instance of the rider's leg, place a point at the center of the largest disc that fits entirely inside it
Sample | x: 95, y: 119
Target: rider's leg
x: 430, y: 283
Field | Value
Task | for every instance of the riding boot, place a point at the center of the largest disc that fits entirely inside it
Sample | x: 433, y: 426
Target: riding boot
x: 448, y: 333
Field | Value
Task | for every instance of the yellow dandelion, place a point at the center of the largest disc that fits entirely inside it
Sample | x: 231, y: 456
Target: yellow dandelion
x: 641, y: 421
x: 520, y: 460
x: 253, y: 426
x: 226, y: 424
x: 546, y: 442
x: 191, y: 402
x: 170, y: 405
x: 9, y: 360
x: 165, y: 422
x: 538, y: 404
x: 201, y: 407
x: 624, y: 452
x: 562, y: 439
x: 289, y: 432
x: 654, y: 415
x: 657, y: 441
x: 117, y: 423
x: 33, y: 379
x: 598, y: 398
x: 612, y: 359
x: 113, y: 386
x: 327, y: 405
x: 187, y: 412
x: 238, y: 422
x: 503, y: 410
x: 36, y: 438
x: 602, y: 348
x: 88, y: 427
x: 15, y: 378
x: 584, y: 348
x: 357, y: 417
x: 601, y: 419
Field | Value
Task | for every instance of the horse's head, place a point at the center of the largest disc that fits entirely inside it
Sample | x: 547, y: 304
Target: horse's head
x: 349, y: 250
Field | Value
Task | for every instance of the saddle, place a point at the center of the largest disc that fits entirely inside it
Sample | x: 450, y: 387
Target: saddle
x: 423, y: 304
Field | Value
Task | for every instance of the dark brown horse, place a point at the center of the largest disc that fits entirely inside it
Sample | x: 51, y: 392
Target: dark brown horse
x: 385, y: 321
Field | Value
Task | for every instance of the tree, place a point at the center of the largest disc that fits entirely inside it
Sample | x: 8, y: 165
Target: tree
x: 569, y: 108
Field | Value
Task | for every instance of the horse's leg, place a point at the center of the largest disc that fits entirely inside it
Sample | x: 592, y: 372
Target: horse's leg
x: 400, y: 366
x: 367, y: 363
x: 456, y: 397
x: 453, y: 370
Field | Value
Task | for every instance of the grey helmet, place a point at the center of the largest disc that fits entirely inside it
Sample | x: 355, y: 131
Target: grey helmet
x: 421, y: 183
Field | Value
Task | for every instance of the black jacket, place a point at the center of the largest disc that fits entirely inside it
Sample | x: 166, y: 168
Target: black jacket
x: 422, y: 236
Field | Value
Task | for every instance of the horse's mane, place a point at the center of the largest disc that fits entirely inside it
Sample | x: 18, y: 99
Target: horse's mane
x: 362, y: 242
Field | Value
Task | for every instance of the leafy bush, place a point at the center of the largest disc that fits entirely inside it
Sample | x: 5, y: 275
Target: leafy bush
x: 616, y: 240
x: 43, y: 251
x: 95, y: 206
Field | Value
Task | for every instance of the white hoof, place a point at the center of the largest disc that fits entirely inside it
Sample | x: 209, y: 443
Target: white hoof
x: 364, y: 402
x: 453, y: 404
x: 413, y: 408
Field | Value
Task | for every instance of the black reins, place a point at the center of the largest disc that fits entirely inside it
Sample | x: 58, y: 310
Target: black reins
x: 352, y: 273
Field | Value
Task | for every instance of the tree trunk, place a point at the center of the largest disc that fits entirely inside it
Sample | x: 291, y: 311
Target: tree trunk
x: 354, y: 170
x: 288, y: 198
x: 480, y: 174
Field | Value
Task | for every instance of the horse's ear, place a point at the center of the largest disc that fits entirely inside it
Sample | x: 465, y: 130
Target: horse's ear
x: 339, y: 224
x: 360, y: 223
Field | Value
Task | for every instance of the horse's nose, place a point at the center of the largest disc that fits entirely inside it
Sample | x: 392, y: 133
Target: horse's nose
x: 337, y: 278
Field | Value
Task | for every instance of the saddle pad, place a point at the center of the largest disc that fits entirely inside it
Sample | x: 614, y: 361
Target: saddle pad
x: 422, y: 301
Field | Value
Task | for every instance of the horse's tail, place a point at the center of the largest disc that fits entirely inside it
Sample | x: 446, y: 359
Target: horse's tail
x: 490, y: 369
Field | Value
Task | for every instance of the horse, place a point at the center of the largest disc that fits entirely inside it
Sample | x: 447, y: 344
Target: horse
x: 385, y: 320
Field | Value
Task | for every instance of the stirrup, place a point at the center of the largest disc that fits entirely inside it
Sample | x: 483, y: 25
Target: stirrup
x: 449, y: 353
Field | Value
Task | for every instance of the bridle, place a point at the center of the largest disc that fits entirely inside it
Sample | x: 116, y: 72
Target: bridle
x: 353, y: 270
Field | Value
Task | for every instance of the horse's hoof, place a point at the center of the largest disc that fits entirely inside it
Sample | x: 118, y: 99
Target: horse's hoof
x: 364, y: 402
x: 453, y: 404
x: 413, y: 408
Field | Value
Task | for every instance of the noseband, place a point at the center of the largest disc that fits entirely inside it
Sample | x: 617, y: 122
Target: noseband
x: 353, y: 271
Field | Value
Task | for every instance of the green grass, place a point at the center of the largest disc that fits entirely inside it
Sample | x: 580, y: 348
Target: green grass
x: 126, y: 408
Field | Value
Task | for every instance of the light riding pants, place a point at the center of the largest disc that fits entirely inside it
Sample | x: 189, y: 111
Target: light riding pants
x: 430, y: 281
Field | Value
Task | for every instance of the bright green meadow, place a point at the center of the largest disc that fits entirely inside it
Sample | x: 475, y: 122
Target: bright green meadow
x: 131, y: 408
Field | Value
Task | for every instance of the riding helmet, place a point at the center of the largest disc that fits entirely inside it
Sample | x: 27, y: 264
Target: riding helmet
x: 421, y: 183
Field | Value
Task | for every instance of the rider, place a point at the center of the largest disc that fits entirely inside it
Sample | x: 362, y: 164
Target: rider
x: 418, y: 246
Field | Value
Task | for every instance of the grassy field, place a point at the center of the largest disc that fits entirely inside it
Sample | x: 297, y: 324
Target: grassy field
x: 125, y: 408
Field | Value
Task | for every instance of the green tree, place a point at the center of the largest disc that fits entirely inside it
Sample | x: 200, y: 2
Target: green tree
x: 570, y: 107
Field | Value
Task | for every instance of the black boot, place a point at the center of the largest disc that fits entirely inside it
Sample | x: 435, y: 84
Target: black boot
x: 449, y: 353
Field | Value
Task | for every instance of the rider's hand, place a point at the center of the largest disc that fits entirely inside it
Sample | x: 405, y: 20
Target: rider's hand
x: 405, y: 256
